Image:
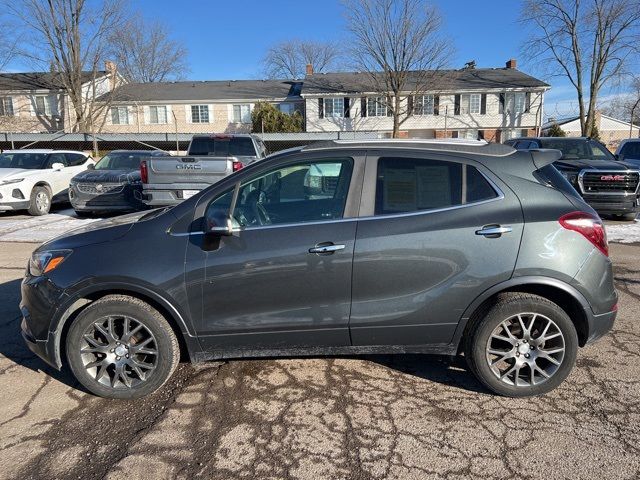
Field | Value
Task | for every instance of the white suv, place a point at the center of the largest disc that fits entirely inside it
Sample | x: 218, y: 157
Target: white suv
x: 33, y: 179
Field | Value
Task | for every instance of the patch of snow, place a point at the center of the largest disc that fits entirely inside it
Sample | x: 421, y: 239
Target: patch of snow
x: 41, y: 229
x: 624, y: 232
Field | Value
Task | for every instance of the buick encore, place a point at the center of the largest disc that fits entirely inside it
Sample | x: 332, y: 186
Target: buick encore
x: 458, y: 248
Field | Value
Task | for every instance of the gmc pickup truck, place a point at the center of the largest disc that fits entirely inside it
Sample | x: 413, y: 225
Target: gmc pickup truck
x: 170, y: 180
x: 609, y: 185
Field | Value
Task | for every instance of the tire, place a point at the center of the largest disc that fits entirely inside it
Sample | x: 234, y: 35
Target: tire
x: 520, y: 353
x: 112, y: 366
x: 628, y: 217
x: 40, y: 201
x: 83, y: 214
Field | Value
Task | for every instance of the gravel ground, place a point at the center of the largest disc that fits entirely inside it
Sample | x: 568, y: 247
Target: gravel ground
x: 409, y: 417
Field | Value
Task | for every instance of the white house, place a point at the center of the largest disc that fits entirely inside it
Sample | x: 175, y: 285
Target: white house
x: 611, y: 130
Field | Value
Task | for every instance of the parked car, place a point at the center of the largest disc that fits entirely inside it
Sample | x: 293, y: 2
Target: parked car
x: 335, y: 248
x: 629, y: 151
x: 610, y: 186
x: 112, y: 185
x: 209, y: 159
x: 33, y: 179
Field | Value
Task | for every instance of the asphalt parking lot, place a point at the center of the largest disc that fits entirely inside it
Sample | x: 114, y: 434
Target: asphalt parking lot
x: 336, y: 418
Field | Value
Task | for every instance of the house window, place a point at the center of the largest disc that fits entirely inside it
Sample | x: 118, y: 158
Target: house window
x: 158, y: 114
x: 288, y: 108
x: 470, y: 134
x: 199, y: 113
x: 46, y: 105
x: 119, y: 115
x: 6, y: 107
x: 516, y: 102
x: 423, y: 105
x: 334, y: 107
x: 242, y: 113
x: 376, y: 107
x: 470, y: 103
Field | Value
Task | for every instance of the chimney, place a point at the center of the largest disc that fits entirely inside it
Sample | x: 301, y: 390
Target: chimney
x: 512, y: 63
x: 309, y: 69
x: 112, y: 70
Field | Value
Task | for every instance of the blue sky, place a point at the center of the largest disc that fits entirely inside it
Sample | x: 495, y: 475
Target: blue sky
x: 228, y: 38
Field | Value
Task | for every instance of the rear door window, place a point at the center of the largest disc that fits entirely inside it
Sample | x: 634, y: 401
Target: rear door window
x: 411, y: 184
x: 75, y: 159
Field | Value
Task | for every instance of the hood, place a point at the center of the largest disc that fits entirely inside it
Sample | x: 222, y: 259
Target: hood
x: 108, y: 176
x: 99, y: 231
x: 5, y: 173
x: 577, y: 165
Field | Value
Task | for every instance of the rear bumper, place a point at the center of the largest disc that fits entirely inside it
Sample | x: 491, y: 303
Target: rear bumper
x: 599, y: 325
x: 165, y: 195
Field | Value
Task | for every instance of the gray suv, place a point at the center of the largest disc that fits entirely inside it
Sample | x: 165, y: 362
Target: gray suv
x: 335, y: 248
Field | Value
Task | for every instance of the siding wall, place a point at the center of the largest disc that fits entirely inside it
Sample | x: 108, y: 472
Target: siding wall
x: 25, y: 119
x: 427, y: 124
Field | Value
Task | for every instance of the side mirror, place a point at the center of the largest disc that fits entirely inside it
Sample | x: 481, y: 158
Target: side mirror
x: 57, y: 166
x: 218, y: 222
x: 91, y: 166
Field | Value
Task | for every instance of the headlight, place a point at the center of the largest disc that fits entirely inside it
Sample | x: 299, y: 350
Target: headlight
x: 570, y: 176
x: 9, y: 182
x: 46, y: 261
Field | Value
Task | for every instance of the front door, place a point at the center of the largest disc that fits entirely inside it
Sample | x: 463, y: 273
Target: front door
x: 283, y: 281
x: 435, y: 234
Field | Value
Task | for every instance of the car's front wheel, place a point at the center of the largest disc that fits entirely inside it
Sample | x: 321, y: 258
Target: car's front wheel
x: 121, y: 347
x: 523, y: 345
x: 40, y: 201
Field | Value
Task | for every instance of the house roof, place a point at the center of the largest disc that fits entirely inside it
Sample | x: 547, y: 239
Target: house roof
x: 38, y: 80
x: 466, y: 79
x: 606, y: 123
x: 208, y: 90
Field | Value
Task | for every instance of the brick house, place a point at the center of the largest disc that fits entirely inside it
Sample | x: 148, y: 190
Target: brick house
x: 36, y: 102
x: 195, y: 106
x: 491, y: 103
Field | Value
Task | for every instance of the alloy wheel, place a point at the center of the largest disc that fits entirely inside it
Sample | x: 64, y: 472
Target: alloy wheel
x: 526, y: 349
x: 42, y: 201
x: 119, y: 352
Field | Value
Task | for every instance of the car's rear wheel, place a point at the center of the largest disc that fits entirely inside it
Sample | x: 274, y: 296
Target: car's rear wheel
x: 121, y: 347
x: 40, y: 201
x: 523, y: 345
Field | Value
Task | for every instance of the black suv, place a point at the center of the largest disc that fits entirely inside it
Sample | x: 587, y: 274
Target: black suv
x: 335, y: 248
x: 609, y: 185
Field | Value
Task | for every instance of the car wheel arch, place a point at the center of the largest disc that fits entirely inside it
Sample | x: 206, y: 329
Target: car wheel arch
x: 84, y: 298
x: 557, y: 291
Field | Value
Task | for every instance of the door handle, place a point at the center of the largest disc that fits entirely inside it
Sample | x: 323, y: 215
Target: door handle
x: 493, y: 231
x: 327, y: 248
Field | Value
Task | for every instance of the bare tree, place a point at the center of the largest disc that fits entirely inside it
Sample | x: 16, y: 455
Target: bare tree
x: 69, y: 37
x: 626, y: 106
x: 289, y: 59
x: 399, y: 43
x: 145, y: 52
x: 8, y: 43
x: 590, y: 42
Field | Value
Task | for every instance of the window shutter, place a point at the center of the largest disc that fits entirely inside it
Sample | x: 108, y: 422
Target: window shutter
x: 321, y: 107
x: 502, y: 100
x: 170, y: 118
x: 347, y: 107
x: 483, y: 104
x: 187, y: 117
x: 456, y: 106
x: 363, y: 106
x: 527, y: 102
x: 410, y: 105
x: 389, y: 108
x: 436, y: 105
x: 210, y: 109
x: 147, y: 115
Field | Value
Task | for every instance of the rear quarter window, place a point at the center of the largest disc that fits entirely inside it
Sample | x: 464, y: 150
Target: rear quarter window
x: 551, y: 176
x: 410, y: 185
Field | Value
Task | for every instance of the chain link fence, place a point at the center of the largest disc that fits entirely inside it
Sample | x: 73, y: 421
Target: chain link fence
x: 170, y: 142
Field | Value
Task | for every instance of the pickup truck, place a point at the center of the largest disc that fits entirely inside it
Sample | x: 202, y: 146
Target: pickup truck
x: 609, y: 185
x: 170, y: 180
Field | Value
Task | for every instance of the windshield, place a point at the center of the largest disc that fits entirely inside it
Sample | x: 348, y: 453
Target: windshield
x: 631, y: 150
x: 120, y: 161
x: 222, y: 147
x: 578, y: 149
x: 30, y: 161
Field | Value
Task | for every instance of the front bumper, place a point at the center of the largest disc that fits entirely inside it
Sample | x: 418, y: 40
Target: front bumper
x: 129, y: 199
x: 613, y: 204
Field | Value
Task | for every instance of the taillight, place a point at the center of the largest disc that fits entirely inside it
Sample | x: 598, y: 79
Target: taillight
x: 589, y: 226
x: 237, y: 166
x: 144, y: 172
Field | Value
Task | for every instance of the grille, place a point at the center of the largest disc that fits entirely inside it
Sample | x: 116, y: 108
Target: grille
x: 100, y: 188
x: 610, y: 182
